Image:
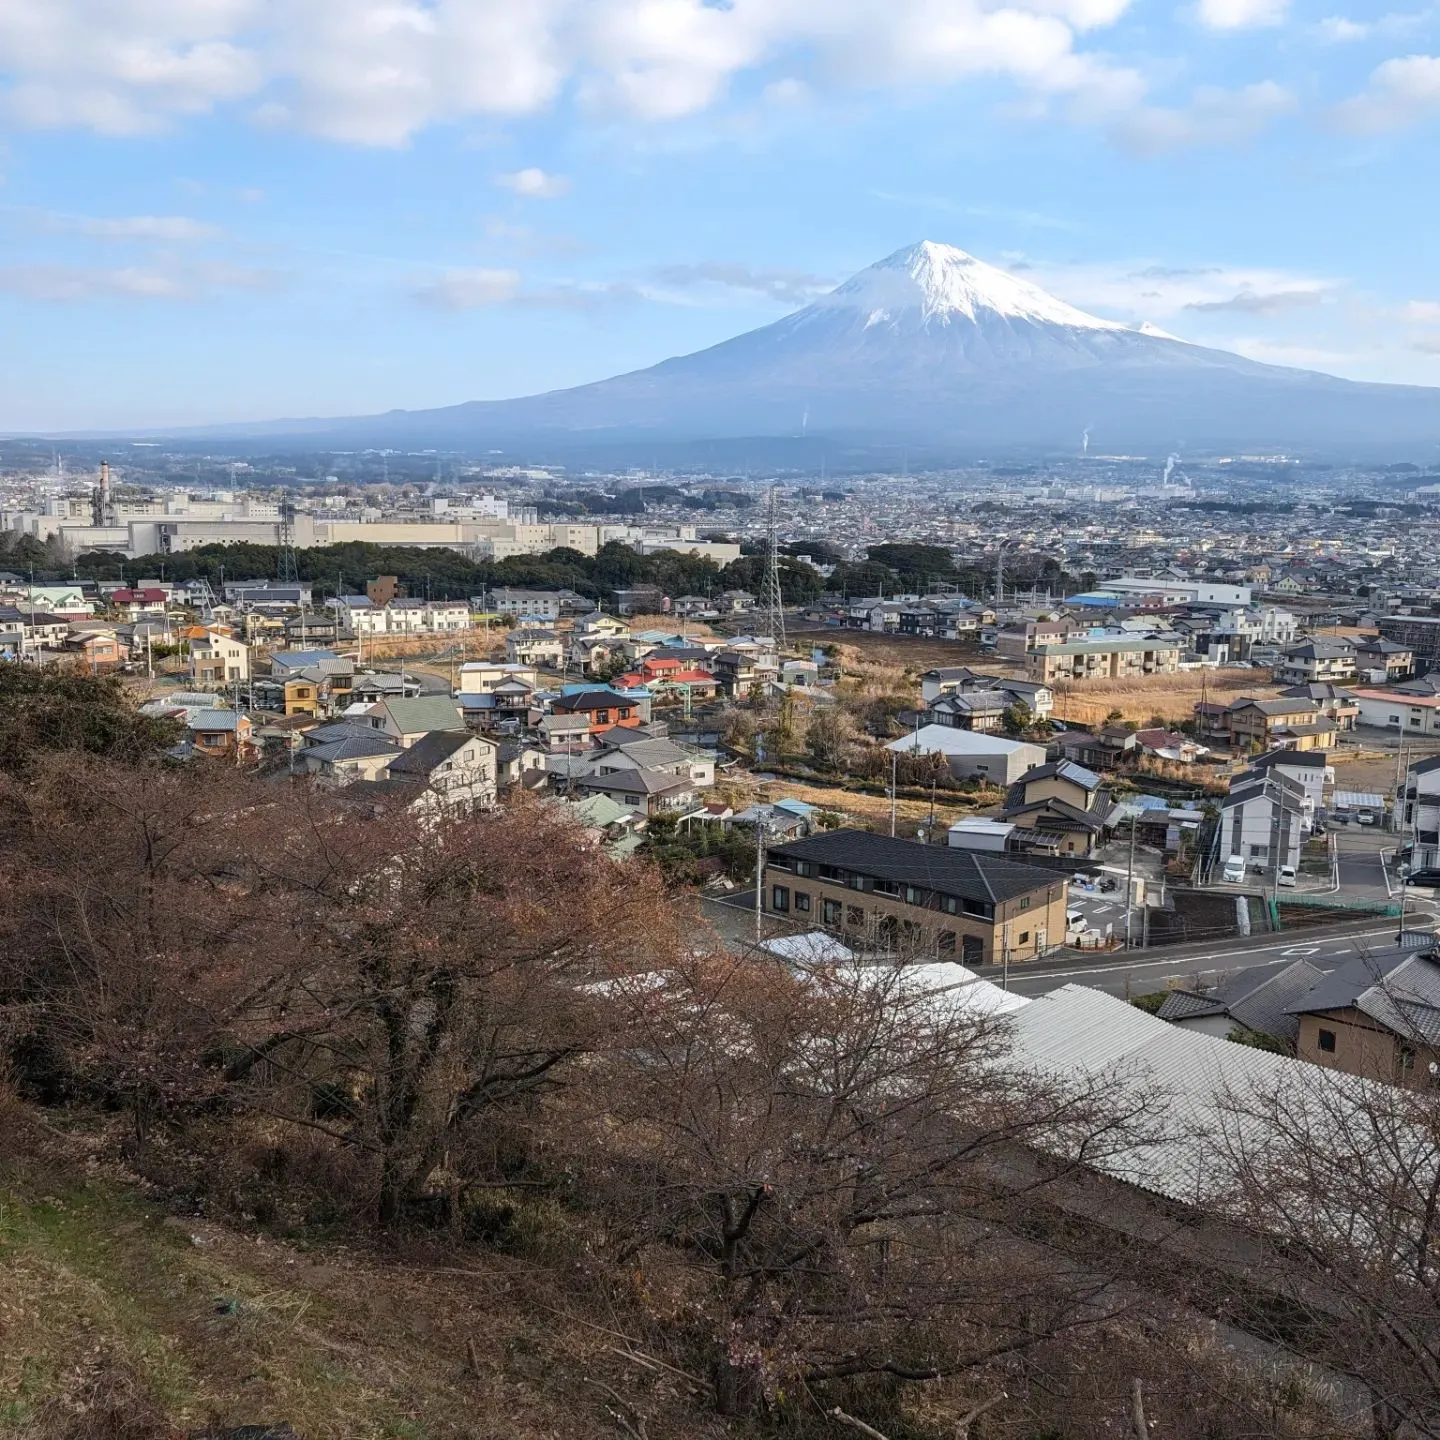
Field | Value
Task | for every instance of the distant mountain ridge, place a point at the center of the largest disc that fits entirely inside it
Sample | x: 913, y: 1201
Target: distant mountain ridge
x: 934, y: 347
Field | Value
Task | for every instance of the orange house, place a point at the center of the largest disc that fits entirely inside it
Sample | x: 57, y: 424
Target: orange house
x: 605, y: 709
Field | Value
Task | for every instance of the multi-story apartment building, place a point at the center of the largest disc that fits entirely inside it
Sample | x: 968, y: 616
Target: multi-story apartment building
x: 1078, y: 661
x: 1422, y: 812
x: 919, y: 900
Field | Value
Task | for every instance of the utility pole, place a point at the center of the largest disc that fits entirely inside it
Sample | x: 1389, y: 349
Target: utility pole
x: 1130, y: 882
x: 894, y: 787
x: 759, y: 879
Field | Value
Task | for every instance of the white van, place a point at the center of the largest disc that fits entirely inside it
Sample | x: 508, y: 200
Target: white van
x: 1075, y: 922
x: 1286, y: 878
x: 1234, y: 871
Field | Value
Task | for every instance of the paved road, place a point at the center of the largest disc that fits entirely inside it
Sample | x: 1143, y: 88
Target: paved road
x: 1137, y: 973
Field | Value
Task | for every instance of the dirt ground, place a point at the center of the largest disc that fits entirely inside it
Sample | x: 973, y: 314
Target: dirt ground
x: 907, y: 652
x: 743, y: 789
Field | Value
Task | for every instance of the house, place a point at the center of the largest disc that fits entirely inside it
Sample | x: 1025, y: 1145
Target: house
x: 1263, y: 820
x: 1377, y: 1016
x: 96, y: 649
x: 1422, y: 812
x: 224, y: 734
x: 783, y: 820
x: 1379, y: 661
x: 604, y: 709
x: 358, y: 615
x: 410, y: 720
x: 598, y: 625
x: 641, y: 600
x: 285, y: 662
x: 454, y: 769
x: 1080, y: 661
x: 218, y: 658
x: 1317, y: 660
x: 33, y: 629
x: 972, y: 755
x: 344, y: 753
x: 370, y: 687
x: 738, y: 669
x: 565, y: 733
x: 609, y: 823
x: 670, y: 677
x: 1331, y: 701
x: 137, y: 604
x: 1104, y: 749
x: 894, y: 894
x: 1170, y: 745
x: 535, y: 648
x: 734, y: 602
x: 1250, y: 1002
x: 526, y: 604
x: 1407, y: 709
x: 483, y: 677
x: 624, y: 752
x: 1062, y: 804
x: 651, y: 792
x: 1309, y: 770
x: 1292, y: 721
x: 986, y: 697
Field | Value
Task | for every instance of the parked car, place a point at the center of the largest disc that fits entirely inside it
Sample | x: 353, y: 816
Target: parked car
x: 1427, y: 876
x: 1234, y: 871
x: 1075, y: 922
x: 1366, y: 817
x: 1286, y: 877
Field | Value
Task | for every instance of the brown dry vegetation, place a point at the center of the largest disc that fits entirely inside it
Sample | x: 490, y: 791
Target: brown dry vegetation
x: 1172, y: 696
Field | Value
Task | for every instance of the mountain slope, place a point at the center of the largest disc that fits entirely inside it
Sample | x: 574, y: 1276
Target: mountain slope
x: 934, y: 346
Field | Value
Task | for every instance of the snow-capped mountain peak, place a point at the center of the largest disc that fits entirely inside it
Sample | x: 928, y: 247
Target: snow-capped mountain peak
x: 938, y: 283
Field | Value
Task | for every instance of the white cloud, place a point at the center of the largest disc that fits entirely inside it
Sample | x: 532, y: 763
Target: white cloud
x: 166, y: 229
x: 377, y: 72
x: 1342, y: 30
x: 1140, y: 290
x: 534, y: 184
x: 1213, y: 117
x: 470, y: 289
x: 785, y: 287
x: 1401, y: 92
x: 135, y: 282
x: 1422, y: 312
x: 1241, y: 14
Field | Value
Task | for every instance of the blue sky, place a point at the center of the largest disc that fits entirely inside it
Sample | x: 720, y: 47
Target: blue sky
x: 234, y: 209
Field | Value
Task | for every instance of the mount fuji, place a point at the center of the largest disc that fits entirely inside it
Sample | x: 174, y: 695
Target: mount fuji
x: 935, y: 349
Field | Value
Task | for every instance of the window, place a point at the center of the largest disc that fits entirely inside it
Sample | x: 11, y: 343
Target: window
x: 802, y: 867
x: 887, y: 887
x: 855, y: 917
x: 780, y: 898
x: 1405, y: 1060
x: 1024, y: 938
x: 1326, y: 1042
x: 830, y: 911
x: 802, y: 902
x: 972, y: 950
x: 983, y: 908
x: 778, y: 861
x: 946, y: 942
x: 1024, y: 902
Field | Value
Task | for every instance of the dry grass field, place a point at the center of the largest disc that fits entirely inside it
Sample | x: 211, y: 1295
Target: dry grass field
x: 1173, y: 697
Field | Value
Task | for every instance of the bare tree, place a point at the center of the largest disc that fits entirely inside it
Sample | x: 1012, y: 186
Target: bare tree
x: 1337, y: 1180
x: 841, y: 1160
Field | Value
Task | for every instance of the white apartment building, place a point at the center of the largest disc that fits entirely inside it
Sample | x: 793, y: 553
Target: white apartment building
x: 1422, y: 812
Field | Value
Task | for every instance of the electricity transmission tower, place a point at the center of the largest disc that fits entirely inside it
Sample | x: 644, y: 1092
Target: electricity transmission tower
x: 772, y: 602
x: 287, y: 571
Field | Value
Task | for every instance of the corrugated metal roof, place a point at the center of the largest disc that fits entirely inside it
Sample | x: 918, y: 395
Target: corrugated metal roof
x: 1181, y: 1079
